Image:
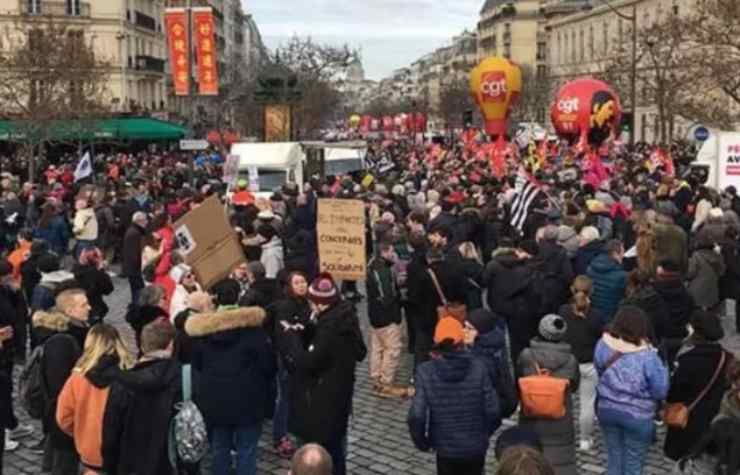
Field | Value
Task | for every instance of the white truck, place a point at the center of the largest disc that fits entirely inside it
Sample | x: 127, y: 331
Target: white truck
x: 718, y: 161
x: 272, y: 164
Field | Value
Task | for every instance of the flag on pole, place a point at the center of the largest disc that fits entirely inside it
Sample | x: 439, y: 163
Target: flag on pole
x: 523, y: 204
x: 84, y: 167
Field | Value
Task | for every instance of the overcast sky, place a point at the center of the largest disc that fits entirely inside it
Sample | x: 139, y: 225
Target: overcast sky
x: 391, y: 33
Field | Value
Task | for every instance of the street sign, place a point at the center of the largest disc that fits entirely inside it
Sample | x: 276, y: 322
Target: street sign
x: 193, y: 144
x: 701, y: 134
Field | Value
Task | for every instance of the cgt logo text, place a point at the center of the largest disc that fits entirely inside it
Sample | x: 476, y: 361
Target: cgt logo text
x: 493, y: 86
x: 568, y: 106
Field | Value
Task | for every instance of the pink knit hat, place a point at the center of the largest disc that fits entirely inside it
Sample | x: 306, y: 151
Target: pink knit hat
x: 323, y: 290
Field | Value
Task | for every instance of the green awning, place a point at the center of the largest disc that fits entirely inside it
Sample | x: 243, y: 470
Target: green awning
x: 124, y: 129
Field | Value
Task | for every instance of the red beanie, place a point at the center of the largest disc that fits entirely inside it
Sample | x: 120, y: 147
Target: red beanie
x: 323, y: 291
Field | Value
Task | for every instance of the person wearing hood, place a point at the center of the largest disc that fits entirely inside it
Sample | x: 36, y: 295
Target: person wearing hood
x: 549, y: 352
x: 141, y: 421
x: 62, y: 331
x: 51, y: 278
x: 324, y: 377
x: 609, y: 279
x: 706, y: 267
x: 590, y: 246
x: 488, y: 334
x: 88, y: 398
x: 584, y: 330
x: 184, y: 278
x: 632, y: 382
x: 235, y: 360
x: 272, y: 251
x: 698, y: 379
x: 456, y: 409
x: 90, y: 273
x: 509, y: 279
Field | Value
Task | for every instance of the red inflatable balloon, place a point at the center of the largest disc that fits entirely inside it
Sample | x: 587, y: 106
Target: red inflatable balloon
x: 586, y: 110
x: 365, y: 123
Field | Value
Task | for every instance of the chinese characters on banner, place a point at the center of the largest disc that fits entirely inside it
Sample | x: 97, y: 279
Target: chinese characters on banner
x: 206, y: 50
x: 176, y: 21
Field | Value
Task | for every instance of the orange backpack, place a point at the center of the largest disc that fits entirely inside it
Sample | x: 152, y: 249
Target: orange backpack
x: 543, y: 395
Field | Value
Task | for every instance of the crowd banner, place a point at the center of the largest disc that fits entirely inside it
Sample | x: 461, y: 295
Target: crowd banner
x: 206, y: 51
x: 176, y: 23
x: 231, y: 169
x: 341, y: 234
x: 208, y: 243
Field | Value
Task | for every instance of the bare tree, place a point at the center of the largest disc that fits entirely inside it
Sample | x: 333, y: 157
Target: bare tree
x: 673, y: 74
x: 319, y: 69
x: 455, y: 101
x: 52, y: 85
x: 534, y: 100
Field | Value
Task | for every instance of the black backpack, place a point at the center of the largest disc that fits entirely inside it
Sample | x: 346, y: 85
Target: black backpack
x: 32, y: 388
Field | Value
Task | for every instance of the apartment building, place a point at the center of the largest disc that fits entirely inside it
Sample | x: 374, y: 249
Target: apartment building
x: 127, y: 34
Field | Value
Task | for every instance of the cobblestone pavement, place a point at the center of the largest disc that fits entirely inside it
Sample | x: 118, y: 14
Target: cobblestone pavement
x: 378, y: 440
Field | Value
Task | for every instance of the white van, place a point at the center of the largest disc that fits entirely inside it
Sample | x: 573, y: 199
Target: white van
x: 341, y: 160
x: 718, y: 161
x: 276, y: 164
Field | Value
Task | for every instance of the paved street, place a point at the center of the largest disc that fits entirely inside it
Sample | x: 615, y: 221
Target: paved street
x: 378, y: 442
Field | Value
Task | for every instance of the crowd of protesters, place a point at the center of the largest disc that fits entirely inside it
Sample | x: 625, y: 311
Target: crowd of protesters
x: 614, y: 282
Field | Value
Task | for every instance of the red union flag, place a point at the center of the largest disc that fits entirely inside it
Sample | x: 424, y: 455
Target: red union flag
x: 206, y: 51
x: 176, y: 22
x: 493, y: 86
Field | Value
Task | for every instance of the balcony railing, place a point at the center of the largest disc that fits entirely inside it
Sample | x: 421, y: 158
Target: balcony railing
x: 58, y: 8
x: 145, y: 21
x: 149, y: 63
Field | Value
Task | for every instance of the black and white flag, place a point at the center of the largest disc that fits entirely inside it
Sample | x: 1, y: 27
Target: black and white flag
x: 523, y: 203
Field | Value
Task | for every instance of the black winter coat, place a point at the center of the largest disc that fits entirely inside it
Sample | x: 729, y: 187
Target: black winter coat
x: 455, y: 410
x: 96, y: 284
x: 140, y: 421
x: 510, y: 294
x: 552, y: 262
x: 424, y: 296
x: 583, y: 333
x: 262, y: 293
x: 650, y: 302
x: 323, y: 383
x: 63, y: 340
x: 679, y: 303
x: 729, y: 283
x: 9, y: 301
x: 235, y: 360
x: 695, y: 365
x: 291, y: 310
x: 383, y: 295
x: 131, y: 255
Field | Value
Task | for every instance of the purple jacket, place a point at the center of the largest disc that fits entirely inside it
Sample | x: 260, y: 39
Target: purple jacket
x: 634, y: 384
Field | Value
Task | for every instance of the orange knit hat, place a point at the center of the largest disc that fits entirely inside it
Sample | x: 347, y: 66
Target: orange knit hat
x: 448, y: 328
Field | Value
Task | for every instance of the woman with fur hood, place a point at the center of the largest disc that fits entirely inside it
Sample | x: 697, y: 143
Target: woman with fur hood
x: 233, y: 355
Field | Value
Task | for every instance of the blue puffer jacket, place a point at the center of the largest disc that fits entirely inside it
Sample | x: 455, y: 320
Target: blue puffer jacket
x: 634, y: 384
x: 609, y: 281
x: 455, y: 410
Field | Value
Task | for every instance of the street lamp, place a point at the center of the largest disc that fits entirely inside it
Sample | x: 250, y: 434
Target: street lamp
x: 633, y: 92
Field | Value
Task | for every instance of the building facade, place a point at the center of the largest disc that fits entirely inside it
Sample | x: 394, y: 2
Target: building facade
x: 584, y: 43
x: 127, y: 34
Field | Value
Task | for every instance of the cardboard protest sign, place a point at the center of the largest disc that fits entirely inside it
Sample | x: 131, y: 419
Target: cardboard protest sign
x: 208, y: 243
x: 341, y: 236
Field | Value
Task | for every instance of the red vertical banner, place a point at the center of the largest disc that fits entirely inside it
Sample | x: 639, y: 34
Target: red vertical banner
x: 176, y: 22
x: 206, y: 51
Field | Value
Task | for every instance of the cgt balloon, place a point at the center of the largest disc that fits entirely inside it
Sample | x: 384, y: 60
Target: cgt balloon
x: 586, y: 110
x: 495, y: 85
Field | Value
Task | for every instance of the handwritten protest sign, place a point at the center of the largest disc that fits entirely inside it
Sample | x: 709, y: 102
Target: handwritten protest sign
x: 341, y: 234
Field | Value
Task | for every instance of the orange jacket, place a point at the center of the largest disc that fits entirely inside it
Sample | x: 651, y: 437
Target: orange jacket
x: 18, y: 257
x: 80, y: 411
